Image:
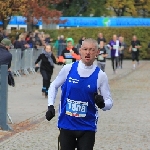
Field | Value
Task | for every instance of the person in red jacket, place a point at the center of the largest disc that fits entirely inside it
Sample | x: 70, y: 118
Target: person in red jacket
x: 70, y: 53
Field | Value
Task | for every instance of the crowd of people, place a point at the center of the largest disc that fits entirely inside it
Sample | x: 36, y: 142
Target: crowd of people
x: 66, y: 52
x: 117, y: 46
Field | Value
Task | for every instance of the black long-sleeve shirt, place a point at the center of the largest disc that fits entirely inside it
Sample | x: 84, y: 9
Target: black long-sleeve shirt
x: 45, y: 64
x: 20, y: 44
x: 135, y: 43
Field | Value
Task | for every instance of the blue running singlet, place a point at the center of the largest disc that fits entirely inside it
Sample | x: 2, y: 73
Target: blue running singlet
x: 77, y: 110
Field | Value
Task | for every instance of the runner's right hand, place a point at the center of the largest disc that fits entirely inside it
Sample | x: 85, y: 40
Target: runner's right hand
x: 36, y: 65
x: 50, y: 113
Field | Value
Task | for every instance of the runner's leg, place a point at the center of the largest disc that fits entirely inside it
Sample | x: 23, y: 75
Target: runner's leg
x: 133, y: 59
x: 44, y: 75
x: 67, y: 140
x: 112, y: 61
x: 86, y: 141
x: 121, y: 59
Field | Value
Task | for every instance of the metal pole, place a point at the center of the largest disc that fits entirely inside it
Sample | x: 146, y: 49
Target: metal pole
x: 3, y: 97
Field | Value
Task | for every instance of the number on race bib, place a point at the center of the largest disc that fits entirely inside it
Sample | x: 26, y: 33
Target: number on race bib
x: 134, y: 49
x: 76, y: 108
x: 115, y: 46
x: 100, y: 57
x: 68, y: 61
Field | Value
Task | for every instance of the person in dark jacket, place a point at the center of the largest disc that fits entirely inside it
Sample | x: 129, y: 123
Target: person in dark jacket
x: 81, y: 40
x: 21, y: 44
x: 5, y: 55
x: 61, y: 45
x: 46, y: 68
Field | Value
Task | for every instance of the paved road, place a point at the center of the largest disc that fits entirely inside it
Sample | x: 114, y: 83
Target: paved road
x: 125, y: 127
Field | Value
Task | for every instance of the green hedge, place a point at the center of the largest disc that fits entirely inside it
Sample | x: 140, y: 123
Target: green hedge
x: 143, y: 34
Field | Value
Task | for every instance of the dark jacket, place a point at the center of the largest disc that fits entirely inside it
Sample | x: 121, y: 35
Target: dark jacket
x: 45, y: 64
x: 5, y: 56
x: 80, y: 41
x: 20, y: 44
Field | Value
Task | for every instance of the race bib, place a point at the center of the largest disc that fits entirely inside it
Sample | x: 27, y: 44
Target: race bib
x: 115, y: 46
x: 68, y: 55
x: 76, y: 108
x: 100, y: 57
x: 68, y: 61
x: 134, y: 49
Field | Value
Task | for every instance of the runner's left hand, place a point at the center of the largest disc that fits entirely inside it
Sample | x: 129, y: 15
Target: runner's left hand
x: 99, y: 101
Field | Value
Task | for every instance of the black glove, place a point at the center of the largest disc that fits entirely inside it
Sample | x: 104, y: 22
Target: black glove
x: 36, y: 69
x: 50, y: 113
x: 99, y: 101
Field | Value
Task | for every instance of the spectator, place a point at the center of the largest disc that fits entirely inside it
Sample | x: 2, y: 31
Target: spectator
x: 5, y: 55
x: 48, y: 40
x: 101, y: 38
x: 61, y: 45
x: 38, y: 41
x: 31, y: 42
x: 1, y: 35
x: 81, y: 40
x: 21, y: 43
x: 5, y: 34
x: 56, y: 43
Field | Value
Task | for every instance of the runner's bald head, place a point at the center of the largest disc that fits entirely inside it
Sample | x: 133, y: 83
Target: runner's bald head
x: 91, y: 41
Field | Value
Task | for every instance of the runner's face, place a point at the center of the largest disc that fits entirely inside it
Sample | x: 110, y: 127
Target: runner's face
x: 88, y: 53
x: 69, y: 44
x: 121, y: 39
x: 134, y: 38
x: 100, y: 35
x: 48, y: 48
x: 114, y: 37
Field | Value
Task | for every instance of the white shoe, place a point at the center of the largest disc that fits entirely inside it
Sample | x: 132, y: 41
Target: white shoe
x: 134, y: 67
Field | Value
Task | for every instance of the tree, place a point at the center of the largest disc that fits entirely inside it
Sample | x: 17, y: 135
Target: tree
x: 9, y: 8
x: 83, y: 7
x: 142, y: 7
x: 129, y: 7
x: 120, y: 7
x: 33, y: 10
x: 38, y: 9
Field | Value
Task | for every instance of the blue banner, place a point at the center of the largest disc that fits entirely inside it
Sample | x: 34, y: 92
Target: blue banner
x: 91, y: 21
x: 105, y: 22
